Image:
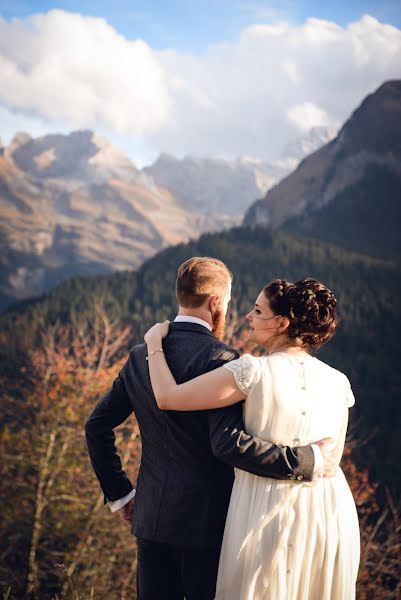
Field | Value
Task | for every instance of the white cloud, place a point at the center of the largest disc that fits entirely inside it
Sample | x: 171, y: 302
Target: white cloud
x: 13, y: 121
x: 308, y: 115
x: 276, y: 81
x: 249, y: 97
x: 290, y: 67
x: 64, y: 66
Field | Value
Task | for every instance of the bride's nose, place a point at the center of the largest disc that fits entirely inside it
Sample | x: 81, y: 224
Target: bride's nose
x: 248, y: 317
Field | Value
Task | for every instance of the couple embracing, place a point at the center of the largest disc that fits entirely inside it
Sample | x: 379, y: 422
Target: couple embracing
x: 239, y: 494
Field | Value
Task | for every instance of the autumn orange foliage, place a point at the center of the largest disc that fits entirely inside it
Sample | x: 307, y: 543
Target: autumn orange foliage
x: 58, y: 541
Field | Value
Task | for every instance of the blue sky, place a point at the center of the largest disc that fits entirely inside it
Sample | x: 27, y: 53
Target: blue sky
x: 192, y: 25
x: 224, y: 78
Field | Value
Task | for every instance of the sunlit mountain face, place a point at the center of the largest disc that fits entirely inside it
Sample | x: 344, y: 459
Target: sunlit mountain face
x: 349, y: 190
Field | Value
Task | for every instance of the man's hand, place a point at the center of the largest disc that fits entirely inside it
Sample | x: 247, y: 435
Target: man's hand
x: 126, y: 512
x: 328, y: 448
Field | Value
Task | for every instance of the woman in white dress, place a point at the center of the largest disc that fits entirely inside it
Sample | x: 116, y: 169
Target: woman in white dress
x: 283, y: 540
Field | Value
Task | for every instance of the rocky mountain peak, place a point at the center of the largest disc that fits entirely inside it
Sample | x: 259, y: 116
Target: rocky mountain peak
x: 375, y: 126
x: 165, y: 159
x: 20, y: 139
x: 82, y: 156
x: 315, y: 138
x: 110, y: 162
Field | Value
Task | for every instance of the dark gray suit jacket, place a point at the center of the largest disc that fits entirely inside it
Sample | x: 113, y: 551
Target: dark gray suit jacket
x: 186, y: 474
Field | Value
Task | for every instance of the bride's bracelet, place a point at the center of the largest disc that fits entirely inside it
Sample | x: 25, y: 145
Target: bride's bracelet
x: 154, y: 352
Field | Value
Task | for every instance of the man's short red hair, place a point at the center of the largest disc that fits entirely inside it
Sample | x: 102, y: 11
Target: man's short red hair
x: 201, y: 277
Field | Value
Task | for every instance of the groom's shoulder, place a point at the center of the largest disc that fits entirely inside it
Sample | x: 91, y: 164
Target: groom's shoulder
x: 137, y: 352
x: 137, y: 349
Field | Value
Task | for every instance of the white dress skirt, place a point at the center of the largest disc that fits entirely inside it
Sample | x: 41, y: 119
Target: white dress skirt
x: 290, y: 540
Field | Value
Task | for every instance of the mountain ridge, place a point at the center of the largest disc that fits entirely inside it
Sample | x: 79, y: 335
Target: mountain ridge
x: 340, y: 173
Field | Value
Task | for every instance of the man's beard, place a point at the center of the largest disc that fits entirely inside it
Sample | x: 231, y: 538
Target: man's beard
x: 218, y: 323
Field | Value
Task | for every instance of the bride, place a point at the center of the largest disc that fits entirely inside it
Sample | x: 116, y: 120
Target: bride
x: 290, y: 540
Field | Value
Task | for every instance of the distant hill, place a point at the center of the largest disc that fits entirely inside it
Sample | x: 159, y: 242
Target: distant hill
x: 365, y: 346
x: 349, y: 191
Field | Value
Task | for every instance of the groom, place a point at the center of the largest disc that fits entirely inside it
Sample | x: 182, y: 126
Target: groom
x: 186, y: 474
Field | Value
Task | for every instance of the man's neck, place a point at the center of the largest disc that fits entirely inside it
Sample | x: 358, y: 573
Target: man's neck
x: 197, y: 313
x: 190, y: 319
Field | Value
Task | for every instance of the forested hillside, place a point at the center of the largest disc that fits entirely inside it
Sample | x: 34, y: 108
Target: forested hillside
x: 365, y: 216
x: 365, y: 346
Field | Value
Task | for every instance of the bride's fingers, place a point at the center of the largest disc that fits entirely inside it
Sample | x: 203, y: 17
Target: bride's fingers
x: 164, y: 327
x: 152, y: 332
x: 158, y: 330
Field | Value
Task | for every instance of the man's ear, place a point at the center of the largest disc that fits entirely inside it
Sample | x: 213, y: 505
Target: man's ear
x: 213, y: 303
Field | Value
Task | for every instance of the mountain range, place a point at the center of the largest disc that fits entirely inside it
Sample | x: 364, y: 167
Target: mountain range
x: 226, y: 188
x: 74, y: 205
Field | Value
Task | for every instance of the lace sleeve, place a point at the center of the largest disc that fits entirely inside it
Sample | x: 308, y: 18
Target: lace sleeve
x: 244, y: 370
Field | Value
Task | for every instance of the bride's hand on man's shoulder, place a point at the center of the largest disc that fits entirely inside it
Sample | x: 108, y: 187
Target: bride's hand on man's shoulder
x: 157, y: 332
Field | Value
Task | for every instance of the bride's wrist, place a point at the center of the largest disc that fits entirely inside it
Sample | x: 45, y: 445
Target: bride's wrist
x: 154, y: 345
x: 155, y: 352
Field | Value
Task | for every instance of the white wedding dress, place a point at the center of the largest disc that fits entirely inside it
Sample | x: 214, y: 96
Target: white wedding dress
x: 290, y: 540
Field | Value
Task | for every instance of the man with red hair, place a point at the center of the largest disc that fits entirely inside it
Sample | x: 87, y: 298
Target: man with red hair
x: 186, y: 471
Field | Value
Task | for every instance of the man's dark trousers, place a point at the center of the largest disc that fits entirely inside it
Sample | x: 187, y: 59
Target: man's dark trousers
x: 173, y: 573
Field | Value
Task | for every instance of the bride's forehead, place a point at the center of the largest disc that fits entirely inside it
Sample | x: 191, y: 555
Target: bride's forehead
x: 261, y: 300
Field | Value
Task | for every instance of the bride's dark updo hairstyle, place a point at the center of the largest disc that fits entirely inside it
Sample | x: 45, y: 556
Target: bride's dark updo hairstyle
x: 310, y: 307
